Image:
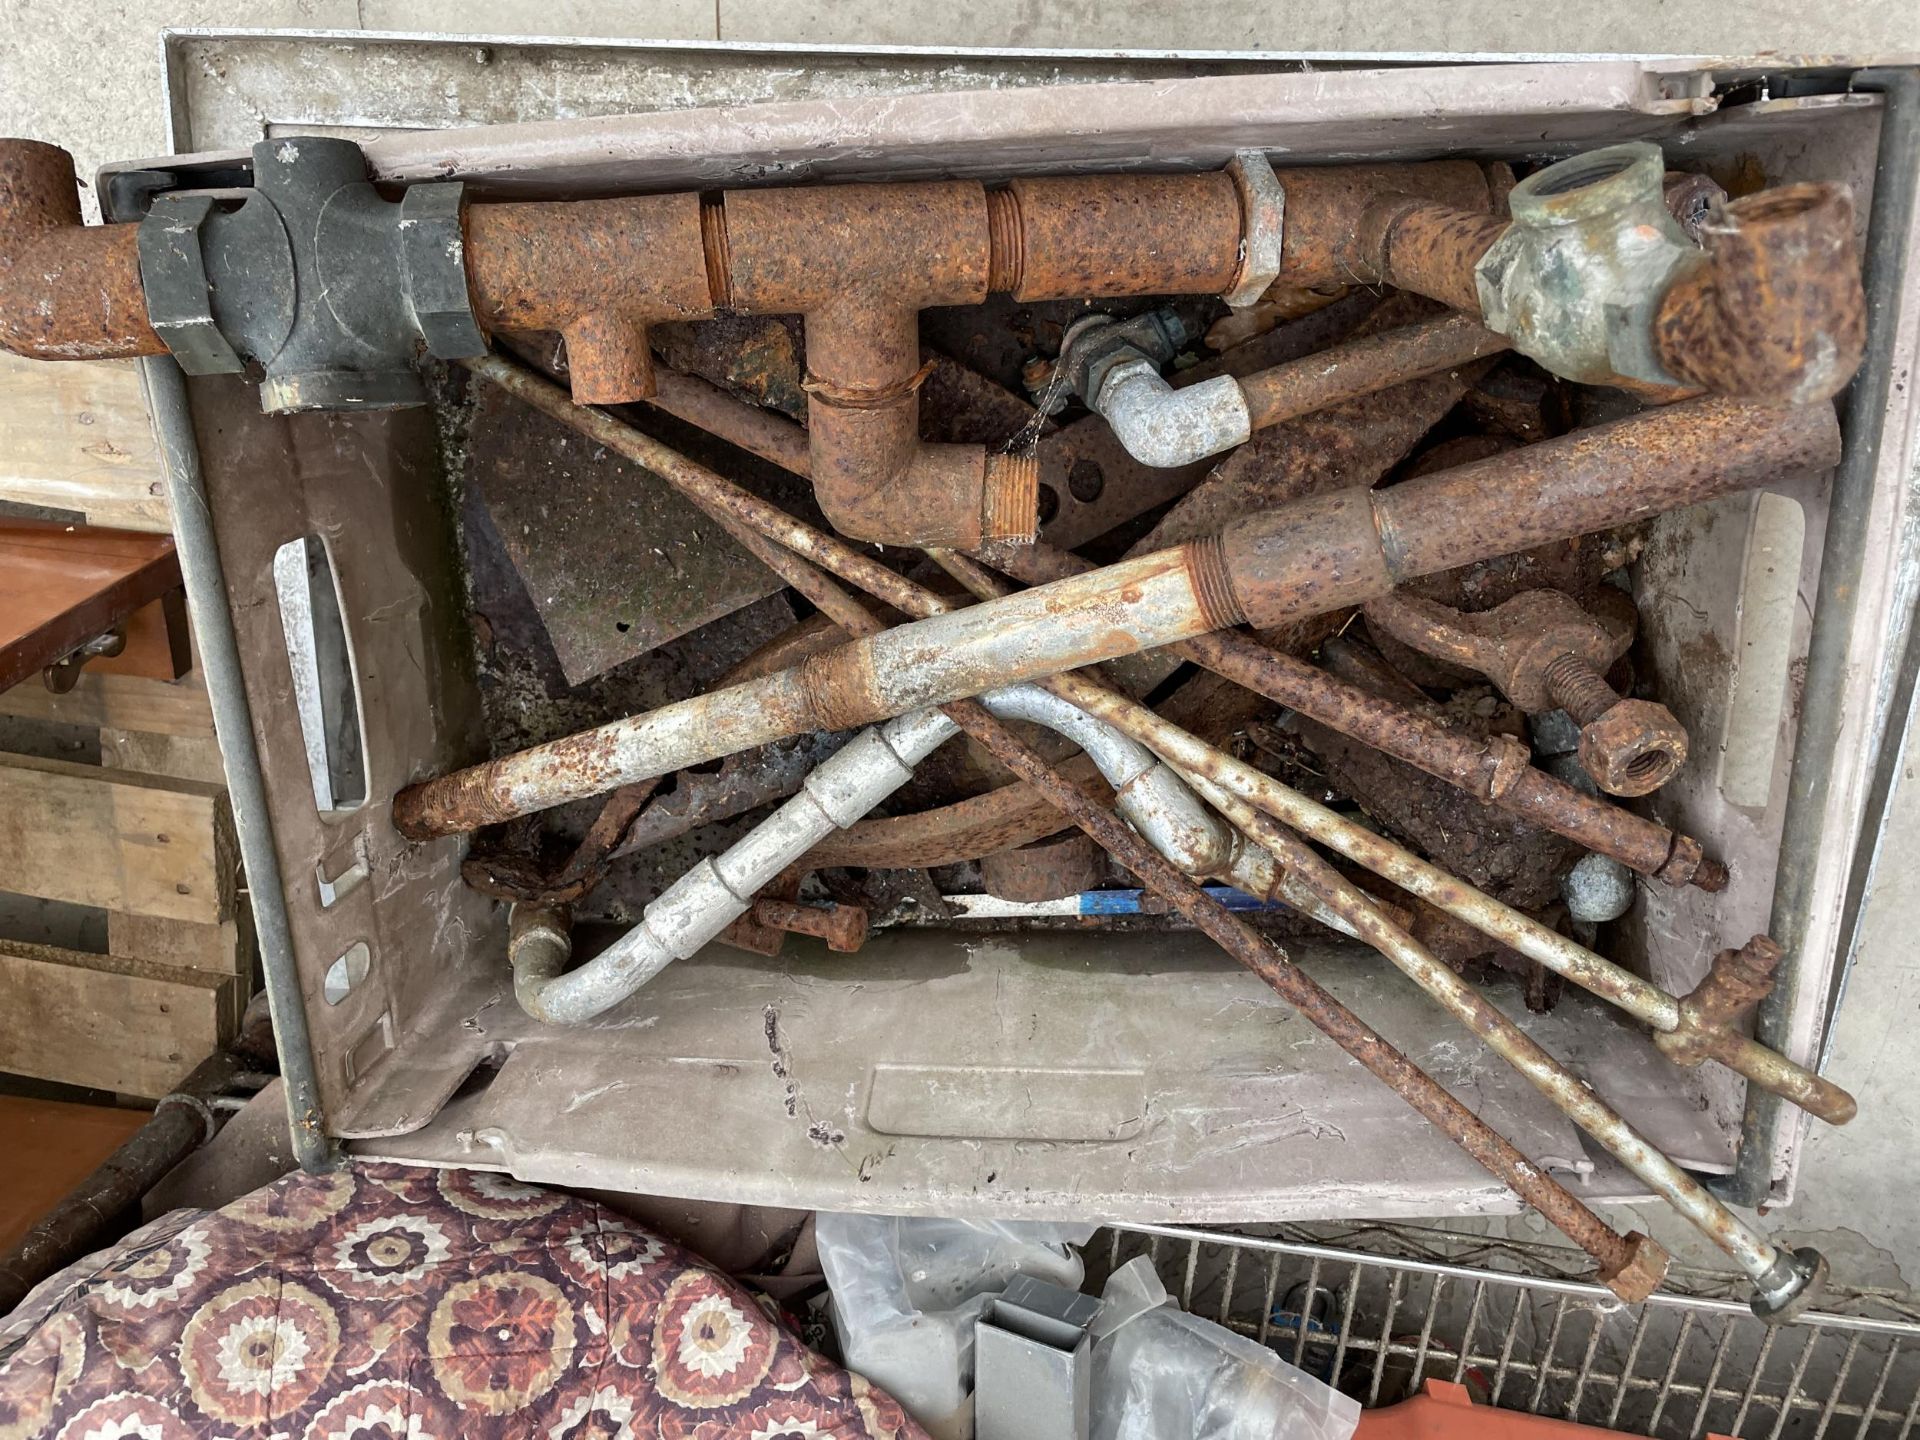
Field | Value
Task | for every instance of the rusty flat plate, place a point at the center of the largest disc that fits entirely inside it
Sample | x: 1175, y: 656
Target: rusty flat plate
x: 616, y: 563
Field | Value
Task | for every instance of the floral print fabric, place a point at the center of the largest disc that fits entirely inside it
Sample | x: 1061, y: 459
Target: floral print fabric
x: 385, y: 1302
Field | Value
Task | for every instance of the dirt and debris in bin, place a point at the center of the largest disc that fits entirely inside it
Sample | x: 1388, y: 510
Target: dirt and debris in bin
x: 975, y: 393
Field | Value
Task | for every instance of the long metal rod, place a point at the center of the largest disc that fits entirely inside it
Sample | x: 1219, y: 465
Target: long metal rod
x: 1803, y: 841
x: 180, y: 1123
x: 1242, y: 793
x: 219, y: 652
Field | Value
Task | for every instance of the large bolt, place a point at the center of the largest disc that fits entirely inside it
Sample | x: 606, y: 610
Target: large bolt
x: 1630, y: 747
x: 843, y: 927
x: 1545, y: 651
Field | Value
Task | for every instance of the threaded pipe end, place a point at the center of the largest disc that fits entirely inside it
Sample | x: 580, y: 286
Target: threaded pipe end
x: 1010, y: 500
x: 713, y: 243
x: 1006, y: 242
x: 452, y: 804
x: 1579, y: 689
x: 1206, y: 561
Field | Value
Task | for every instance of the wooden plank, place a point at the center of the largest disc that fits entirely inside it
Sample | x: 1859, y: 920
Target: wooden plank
x: 120, y: 701
x: 51, y: 1146
x: 78, y: 438
x: 120, y: 841
x: 183, y: 757
x: 113, y: 1024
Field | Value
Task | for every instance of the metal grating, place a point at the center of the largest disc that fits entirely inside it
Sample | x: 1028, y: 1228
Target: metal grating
x: 1507, y: 1321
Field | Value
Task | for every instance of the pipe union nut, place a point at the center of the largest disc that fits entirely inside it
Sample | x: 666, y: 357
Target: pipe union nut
x: 1576, y: 279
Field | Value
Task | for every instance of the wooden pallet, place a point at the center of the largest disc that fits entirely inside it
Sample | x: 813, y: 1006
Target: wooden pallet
x: 145, y: 835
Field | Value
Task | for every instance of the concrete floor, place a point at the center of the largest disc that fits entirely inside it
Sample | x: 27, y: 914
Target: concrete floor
x: 86, y: 76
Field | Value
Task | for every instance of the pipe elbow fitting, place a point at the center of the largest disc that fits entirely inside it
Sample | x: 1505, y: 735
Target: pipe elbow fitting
x: 68, y: 291
x: 1576, y: 280
x: 1164, y: 427
x: 1776, y: 311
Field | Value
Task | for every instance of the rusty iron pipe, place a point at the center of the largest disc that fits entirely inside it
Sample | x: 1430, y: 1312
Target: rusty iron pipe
x: 68, y: 291
x: 597, y: 271
x: 1777, y: 311
x: 1298, y: 559
x: 1365, y: 367
x: 1707, y: 1026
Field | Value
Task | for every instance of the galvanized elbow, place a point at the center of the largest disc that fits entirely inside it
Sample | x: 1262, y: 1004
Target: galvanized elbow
x: 539, y: 945
x: 1151, y: 798
x: 1165, y: 427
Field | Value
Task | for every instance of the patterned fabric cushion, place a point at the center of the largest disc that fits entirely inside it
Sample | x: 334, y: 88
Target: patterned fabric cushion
x: 385, y: 1302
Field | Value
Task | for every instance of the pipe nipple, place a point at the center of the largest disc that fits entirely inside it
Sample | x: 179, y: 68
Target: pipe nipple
x: 1006, y: 243
x: 1010, y: 499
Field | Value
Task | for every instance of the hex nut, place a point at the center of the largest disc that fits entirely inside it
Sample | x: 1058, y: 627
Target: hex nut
x: 1646, y: 1267
x: 1633, y: 749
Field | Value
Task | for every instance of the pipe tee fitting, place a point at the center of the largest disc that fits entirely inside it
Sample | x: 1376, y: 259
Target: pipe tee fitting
x: 1578, y: 278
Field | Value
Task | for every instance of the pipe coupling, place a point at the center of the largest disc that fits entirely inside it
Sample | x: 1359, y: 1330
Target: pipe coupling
x: 1578, y: 277
x: 330, y: 289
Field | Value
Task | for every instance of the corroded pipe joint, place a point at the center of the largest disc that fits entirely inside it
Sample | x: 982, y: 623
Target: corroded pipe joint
x: 1711, y: 1012
x: 67, y: 291
x: 1776, y: 311
x: 598, y: 271
x: 1576, y: 280
x: 860, y: 262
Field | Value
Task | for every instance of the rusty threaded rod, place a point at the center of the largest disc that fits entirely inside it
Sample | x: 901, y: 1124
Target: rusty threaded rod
x: 1579, y: 689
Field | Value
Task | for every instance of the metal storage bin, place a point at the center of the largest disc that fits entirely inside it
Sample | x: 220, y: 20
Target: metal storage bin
x: 1136, y: 1078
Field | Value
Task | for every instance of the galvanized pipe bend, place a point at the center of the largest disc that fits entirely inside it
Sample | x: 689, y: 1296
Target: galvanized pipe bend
x: 697, y: 907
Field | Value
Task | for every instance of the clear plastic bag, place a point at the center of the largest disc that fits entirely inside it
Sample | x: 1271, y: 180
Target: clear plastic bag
x: 907, y: 1290
x: 1162, y: 1374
